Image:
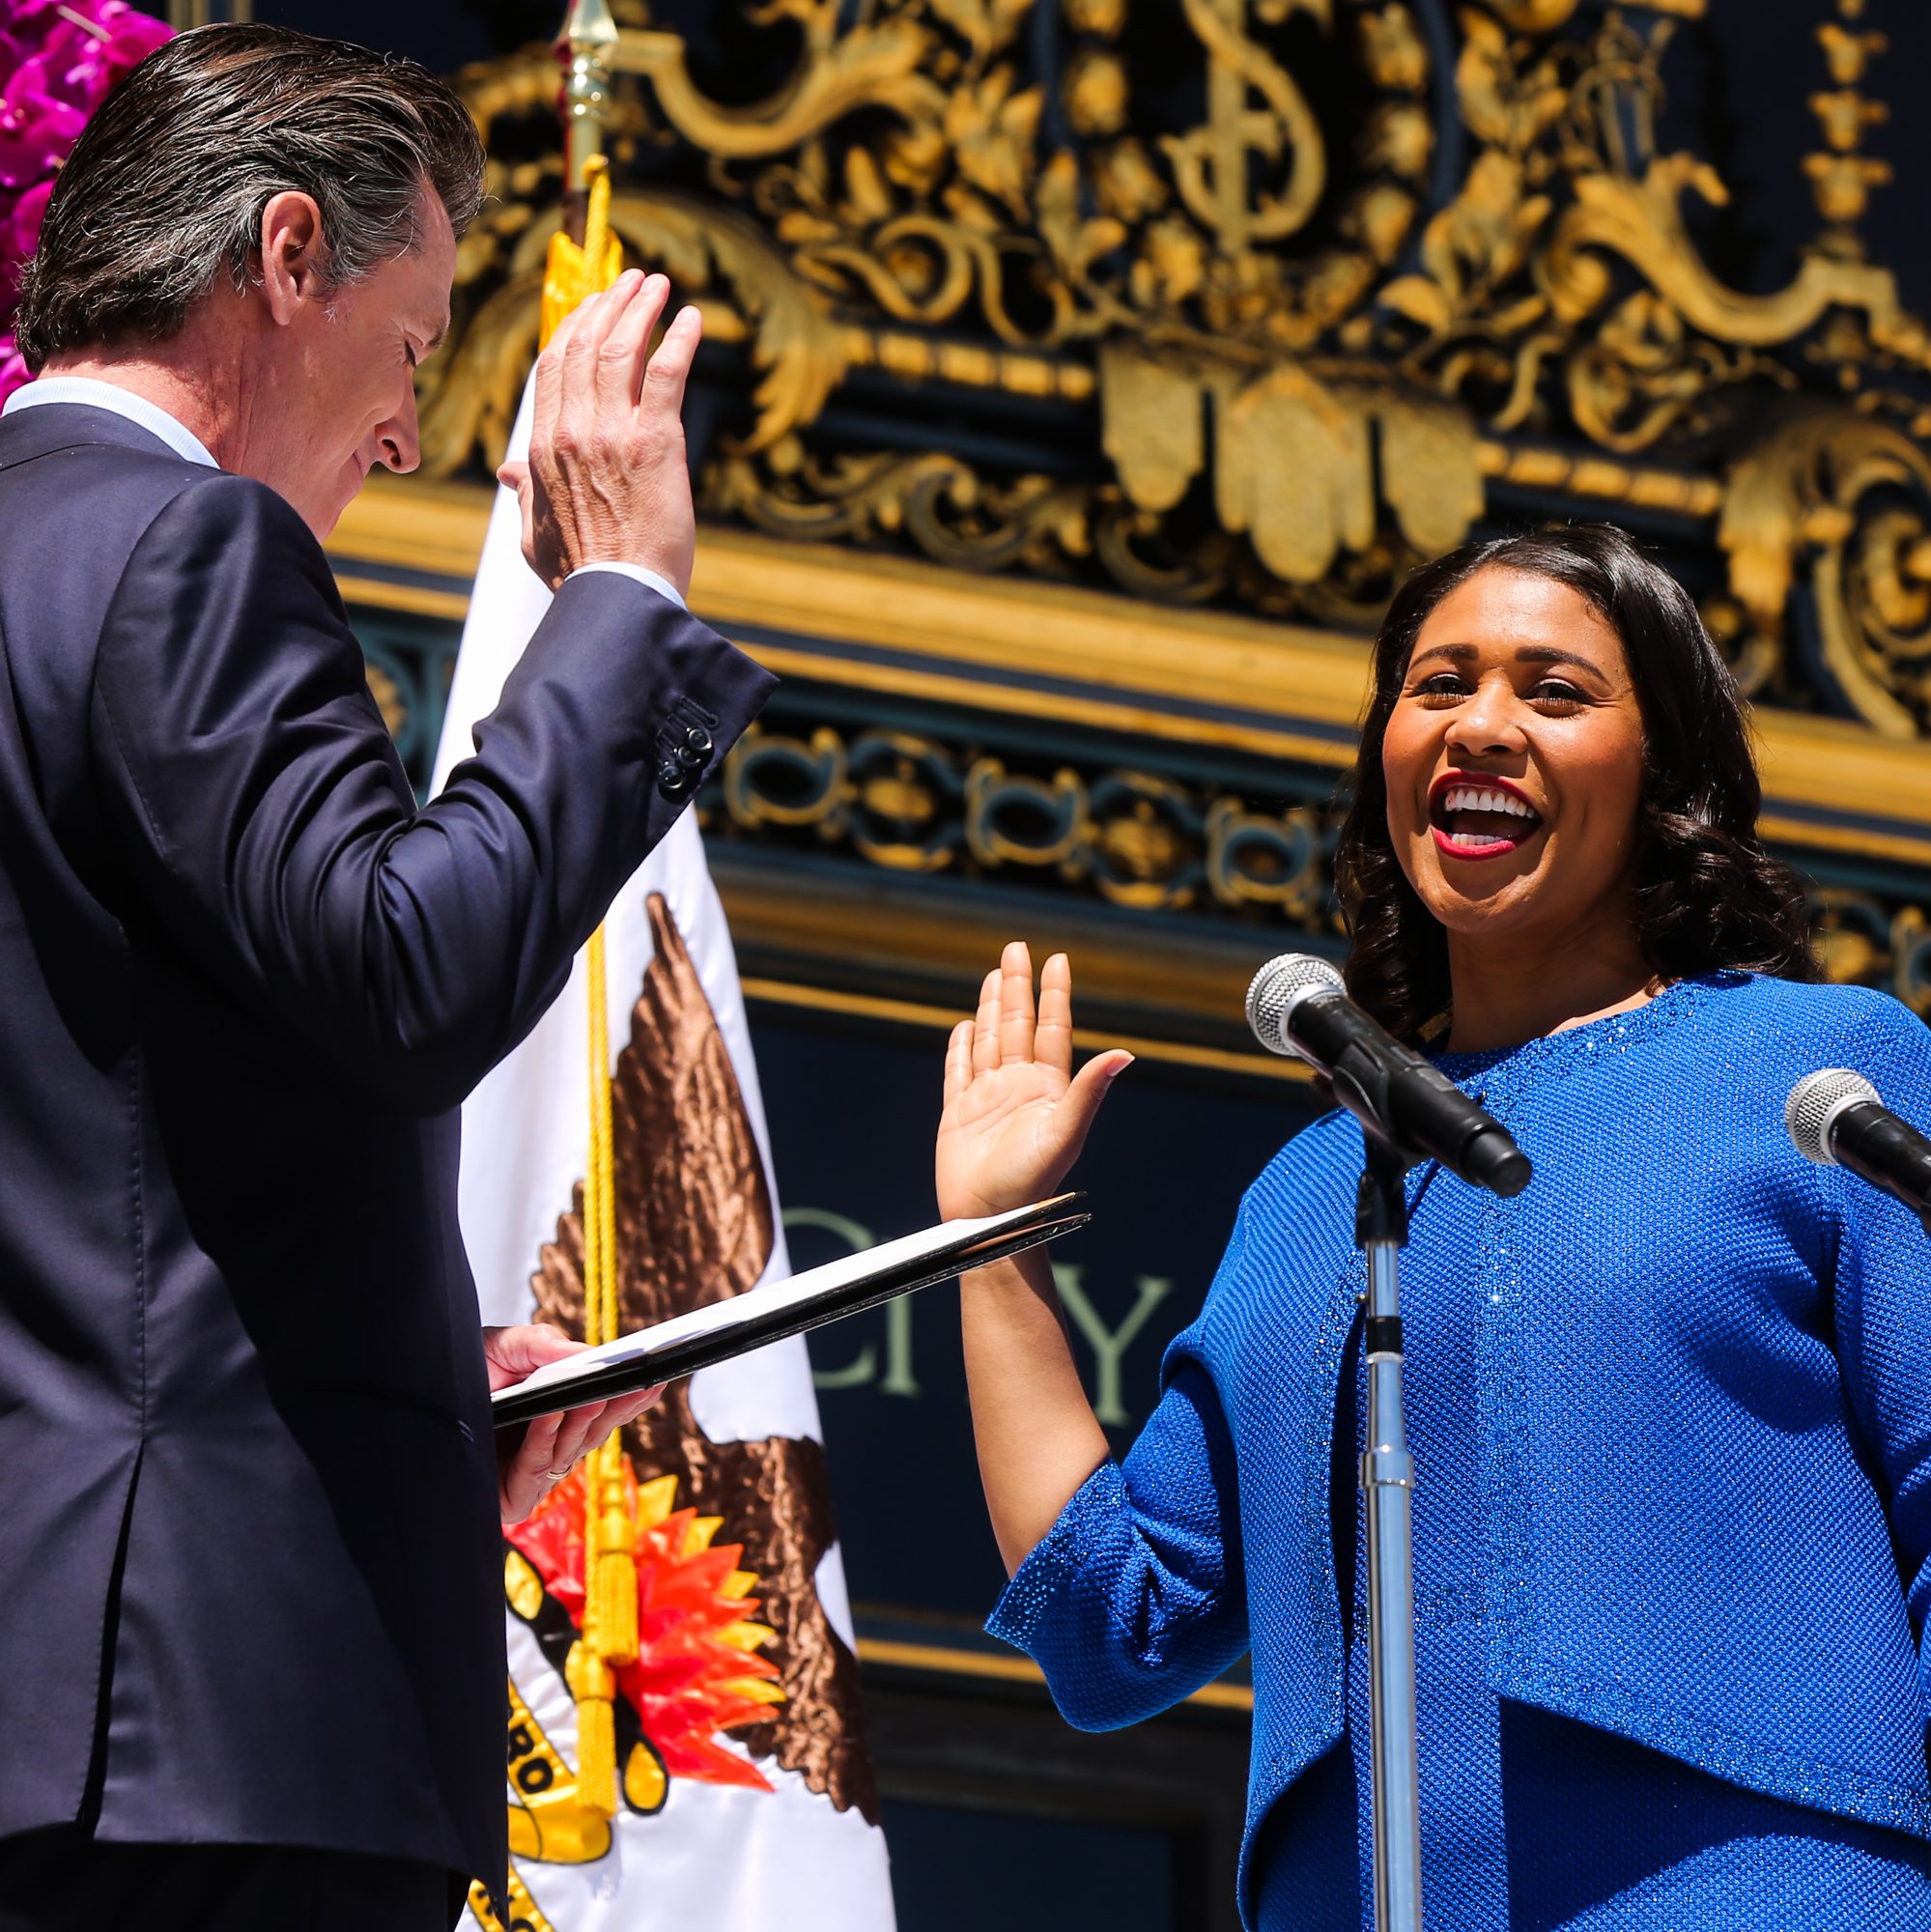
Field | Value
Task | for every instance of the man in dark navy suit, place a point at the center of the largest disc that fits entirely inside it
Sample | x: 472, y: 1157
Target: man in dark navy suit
x: 251, y: 1664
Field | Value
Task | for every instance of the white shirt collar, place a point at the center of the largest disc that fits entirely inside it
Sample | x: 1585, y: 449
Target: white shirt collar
x: 91, y: 393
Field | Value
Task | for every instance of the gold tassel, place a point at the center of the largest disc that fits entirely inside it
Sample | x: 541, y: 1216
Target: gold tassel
x: 610, y: 1588
x: 571, y: 272
x: 595, y: 1691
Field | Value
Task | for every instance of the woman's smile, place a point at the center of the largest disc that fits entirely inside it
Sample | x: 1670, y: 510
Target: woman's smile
x: 1479, y: 816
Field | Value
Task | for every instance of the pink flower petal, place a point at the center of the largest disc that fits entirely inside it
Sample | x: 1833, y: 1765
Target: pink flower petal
x: 13, y: 371
x: 59, y: 59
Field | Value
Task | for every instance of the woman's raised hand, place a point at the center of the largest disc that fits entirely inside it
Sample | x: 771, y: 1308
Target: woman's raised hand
x: 1016, y: 1117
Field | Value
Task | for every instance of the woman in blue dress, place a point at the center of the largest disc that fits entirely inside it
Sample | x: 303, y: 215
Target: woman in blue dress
x: 1671, y: 1406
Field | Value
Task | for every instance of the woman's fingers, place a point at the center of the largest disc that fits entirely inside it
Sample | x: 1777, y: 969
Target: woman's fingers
x: 1015, y: 1004
x: 1080, y: 1103
x: 958, y: 1060
x: 985, y: 1025
x: 1053, y: 1037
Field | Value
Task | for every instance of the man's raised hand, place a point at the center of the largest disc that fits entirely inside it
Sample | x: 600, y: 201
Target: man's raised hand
x: 608, y: 479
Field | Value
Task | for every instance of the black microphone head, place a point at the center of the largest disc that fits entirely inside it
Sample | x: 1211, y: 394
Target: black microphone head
x: 1493, y: 1161
x: 1814, y: 1104
x: 1278, y: 988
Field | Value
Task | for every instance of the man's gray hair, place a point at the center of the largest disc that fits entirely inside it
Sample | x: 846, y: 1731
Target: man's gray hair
x: 165, y: 189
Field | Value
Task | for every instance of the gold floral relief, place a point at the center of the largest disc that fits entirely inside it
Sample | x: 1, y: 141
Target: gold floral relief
x: 1320, y: 275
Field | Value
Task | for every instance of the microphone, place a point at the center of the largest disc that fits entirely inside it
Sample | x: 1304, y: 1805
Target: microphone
x: 1836, y: 1119
x: 1297, y: 1007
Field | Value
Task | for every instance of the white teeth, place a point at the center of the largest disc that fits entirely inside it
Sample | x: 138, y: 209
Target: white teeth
x: 1478, y: 798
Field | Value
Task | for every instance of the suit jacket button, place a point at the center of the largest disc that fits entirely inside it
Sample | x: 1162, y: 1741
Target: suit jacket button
x: 698, y: 740
x: 673, y: 779
x: 690, y: 757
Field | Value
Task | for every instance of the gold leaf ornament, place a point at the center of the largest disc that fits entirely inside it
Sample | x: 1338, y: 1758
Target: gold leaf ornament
x: 1095, y: 91
x: 1076, y: 241
x: 1102, y: 17
x: 1392, y: 49
x: 1155, y: 416
x: 1535, y: 16
x: 1292, y: 469
x: 992, y: 130
x: 1294, y: 457
x: 880, y: 65
x: 795, y: 344
x: 1430, y: 468
x: 1851, y: 497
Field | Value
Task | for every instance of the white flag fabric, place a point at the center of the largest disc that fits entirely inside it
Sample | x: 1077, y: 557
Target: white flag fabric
x: 748, y: 1797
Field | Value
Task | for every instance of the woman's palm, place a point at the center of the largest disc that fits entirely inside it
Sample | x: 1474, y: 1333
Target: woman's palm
x: 1015, y: 1116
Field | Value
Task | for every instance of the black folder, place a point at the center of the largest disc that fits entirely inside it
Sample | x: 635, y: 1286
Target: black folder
x: 776, y: 1309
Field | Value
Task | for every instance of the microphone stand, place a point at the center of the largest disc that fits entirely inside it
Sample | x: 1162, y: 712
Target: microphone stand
x: 1388, y: 1479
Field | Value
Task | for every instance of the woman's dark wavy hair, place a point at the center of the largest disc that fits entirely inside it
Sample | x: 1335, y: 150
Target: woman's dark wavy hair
x: 1706, y: 894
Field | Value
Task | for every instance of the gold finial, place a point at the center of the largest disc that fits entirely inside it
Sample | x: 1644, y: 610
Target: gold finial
x: 590, y: 32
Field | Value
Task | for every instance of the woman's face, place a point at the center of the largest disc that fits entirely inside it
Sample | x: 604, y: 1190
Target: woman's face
x: 1514, y: 761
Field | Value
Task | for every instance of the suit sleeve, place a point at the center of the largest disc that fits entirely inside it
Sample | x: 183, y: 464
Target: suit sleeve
x: 1136, y: 1597
x: 252, y: 789
x: 1882, y: 1295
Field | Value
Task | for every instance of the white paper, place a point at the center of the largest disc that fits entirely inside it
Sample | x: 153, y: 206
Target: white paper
x: 793, y: 1292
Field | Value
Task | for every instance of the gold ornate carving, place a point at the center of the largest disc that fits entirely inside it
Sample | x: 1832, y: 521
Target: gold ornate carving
x: 1863, y: 940
x: 913, y: 804
x: 1845, y: 499
x: 1307, y: 353
x: 1841, y: 177
x: 1143, y: 841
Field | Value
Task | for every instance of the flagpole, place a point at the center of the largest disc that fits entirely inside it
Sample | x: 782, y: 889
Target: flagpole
x: 579, y: 266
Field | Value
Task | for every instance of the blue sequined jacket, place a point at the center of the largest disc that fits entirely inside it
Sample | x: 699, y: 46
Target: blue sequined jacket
x: 1705, y: 1388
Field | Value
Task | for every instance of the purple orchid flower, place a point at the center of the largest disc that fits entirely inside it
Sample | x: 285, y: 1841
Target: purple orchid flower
x: 59, y: 60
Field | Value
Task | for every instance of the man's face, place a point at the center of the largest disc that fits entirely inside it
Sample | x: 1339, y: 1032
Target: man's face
x: 342, y: 377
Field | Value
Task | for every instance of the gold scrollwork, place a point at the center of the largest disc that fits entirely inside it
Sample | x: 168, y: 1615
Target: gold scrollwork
x: 940, y: 502
x: 1862, y: 941
x: 1013, y: 819
x: 1142, y: 841
x: 1267, y: 859
x: 1849, y: 497
x: 773, y: 779
x: 905, y: 800
x: 1146, y: 841
x: 1307, y: 360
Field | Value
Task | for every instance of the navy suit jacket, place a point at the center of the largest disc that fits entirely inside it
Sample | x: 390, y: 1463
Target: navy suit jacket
x: 250, y: 1571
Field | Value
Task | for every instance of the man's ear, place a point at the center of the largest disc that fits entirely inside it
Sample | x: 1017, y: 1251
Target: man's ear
x: 292, y: 254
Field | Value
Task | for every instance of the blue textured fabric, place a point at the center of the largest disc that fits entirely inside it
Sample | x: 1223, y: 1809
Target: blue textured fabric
x: 1672, y: 1413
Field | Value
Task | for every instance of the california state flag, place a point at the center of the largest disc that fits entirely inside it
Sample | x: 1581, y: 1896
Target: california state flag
x: 746, y: 1797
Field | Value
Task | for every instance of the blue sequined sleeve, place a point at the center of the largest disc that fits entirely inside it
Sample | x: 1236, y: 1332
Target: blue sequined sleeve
x: 1883, y: 1292
x: 1135, y: 1597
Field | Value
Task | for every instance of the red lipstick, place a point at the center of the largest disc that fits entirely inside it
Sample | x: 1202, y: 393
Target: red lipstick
x: 1475, y: 815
